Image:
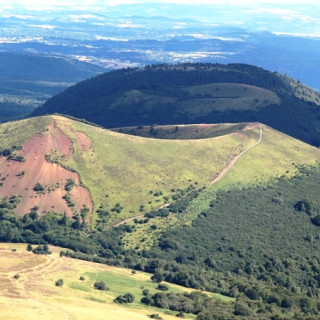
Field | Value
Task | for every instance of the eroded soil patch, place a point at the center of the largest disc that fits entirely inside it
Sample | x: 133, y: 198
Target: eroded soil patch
x: 20, y: 178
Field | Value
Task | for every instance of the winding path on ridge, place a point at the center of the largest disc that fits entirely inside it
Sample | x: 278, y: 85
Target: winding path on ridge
x: 217, y: 178
x: 230, y: 163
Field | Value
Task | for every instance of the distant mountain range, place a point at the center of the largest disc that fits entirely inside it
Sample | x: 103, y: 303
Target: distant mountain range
x: 140, y: 34
x: 28, y: 80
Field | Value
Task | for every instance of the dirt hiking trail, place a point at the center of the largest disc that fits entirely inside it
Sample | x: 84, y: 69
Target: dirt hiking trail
x: 217, y: 178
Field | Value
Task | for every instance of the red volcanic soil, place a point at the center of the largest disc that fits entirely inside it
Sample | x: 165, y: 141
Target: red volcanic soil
x: 82, y: 141
x: 19, y: 178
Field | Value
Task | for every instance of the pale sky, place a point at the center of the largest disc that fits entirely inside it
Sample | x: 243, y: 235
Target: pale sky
x: 42, y: 3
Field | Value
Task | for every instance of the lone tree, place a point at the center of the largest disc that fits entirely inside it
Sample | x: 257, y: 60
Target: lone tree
x: 162, y: 287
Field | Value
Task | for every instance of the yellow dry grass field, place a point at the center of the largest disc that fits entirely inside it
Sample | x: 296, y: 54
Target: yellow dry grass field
x: 28, y: 289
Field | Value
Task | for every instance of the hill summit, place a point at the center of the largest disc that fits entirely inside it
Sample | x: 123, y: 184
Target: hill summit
x: 193, y: 93
x: 56, y: 164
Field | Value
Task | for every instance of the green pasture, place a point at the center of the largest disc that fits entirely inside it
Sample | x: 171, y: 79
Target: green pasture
x: 76, y: 297
x: 183, y: 132
x: 227, y: 96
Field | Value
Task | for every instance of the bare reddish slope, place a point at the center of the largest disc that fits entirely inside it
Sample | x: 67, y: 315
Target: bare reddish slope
x: 19, y: 178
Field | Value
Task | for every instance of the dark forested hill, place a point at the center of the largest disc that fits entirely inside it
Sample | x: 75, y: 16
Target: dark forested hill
x: 193, y: 93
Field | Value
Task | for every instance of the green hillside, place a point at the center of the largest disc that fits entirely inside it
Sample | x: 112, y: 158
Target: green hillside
x: 28, y: 80
x: 193, y: 93
x: 232, y: 209
x: 114, y: 166
x: 277, y: 156
x: 262, y: 240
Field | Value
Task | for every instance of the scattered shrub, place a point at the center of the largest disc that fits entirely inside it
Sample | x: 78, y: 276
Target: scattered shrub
x: 145, y: 292
x: 59, y: 283
x: 155, y: 316
x: 100, y: 285
x: 38, y: 187
x: 126, y: 298
x: 162, y: 287
x: 316, y: 220
x: 17, y: 158
x: 69, y: 185
x: 180, y: 315
x: 303, y: 205
x: 67, y: 198
x: 41, y: 249
x: 117, y: 208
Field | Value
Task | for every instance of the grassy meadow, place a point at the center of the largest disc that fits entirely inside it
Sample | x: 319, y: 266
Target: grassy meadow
x: 141, y: 174
x: 228, y: 96
x: 34, y: 295
x: 183, y: 132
